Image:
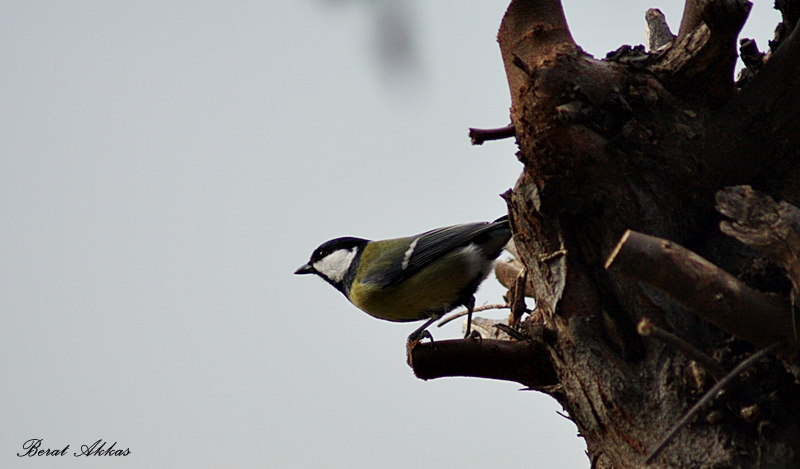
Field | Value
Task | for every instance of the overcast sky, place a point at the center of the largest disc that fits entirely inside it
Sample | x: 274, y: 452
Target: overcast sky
x: 164, y: 168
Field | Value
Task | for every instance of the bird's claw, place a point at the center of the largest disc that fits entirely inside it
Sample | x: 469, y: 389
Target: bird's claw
x: 473, y: 334
x: 420, y: 336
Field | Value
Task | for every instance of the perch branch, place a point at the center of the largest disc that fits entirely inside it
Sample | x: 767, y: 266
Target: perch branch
x: 709, y: 396
x: 524, y: 362
x: 647, y: 328
x: 478, y: 136
x: 704, y: 288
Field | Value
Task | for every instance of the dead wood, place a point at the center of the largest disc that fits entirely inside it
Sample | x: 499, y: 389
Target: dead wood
x: 704, y: 288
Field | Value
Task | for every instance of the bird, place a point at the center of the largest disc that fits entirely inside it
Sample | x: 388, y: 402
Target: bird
x: 420, y: 277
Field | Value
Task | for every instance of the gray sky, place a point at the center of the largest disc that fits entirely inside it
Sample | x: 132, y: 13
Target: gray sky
x: 165, y: 167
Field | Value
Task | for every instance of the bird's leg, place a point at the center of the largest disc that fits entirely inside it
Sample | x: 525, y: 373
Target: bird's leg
x: 421, y: 332
x: 470, y: 305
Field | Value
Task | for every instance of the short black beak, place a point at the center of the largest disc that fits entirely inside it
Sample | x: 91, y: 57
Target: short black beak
x: 304, y: 269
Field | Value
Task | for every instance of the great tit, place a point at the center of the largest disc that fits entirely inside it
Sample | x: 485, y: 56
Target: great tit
x: 413, y: 278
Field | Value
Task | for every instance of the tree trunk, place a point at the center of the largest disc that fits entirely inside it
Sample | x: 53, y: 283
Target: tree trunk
x: 648, y: 142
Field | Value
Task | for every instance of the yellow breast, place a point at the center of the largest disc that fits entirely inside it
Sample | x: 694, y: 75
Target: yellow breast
x: 432, y: 291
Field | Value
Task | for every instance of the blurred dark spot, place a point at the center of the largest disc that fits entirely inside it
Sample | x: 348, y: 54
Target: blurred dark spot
x: 394, y: 36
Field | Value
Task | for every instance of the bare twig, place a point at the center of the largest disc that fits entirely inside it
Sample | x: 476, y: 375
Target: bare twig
x: 476, y: 309
x: 706, y: 289
x: 478, y: 136
x: 647, y: 328
x: 565, y: 416
x: 711, y: 395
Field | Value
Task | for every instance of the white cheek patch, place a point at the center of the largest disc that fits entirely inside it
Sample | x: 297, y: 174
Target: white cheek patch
x: 335, y: 265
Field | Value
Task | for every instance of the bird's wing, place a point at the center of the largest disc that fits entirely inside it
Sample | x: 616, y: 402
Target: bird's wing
x: 431, y: 245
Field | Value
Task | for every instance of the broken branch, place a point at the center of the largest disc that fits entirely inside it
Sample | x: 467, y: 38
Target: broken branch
x: 647, y: 328
x: 704, y: 288
x: 478, y: 136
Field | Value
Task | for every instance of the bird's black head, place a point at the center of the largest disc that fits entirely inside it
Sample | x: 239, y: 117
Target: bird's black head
x: 334, y: 259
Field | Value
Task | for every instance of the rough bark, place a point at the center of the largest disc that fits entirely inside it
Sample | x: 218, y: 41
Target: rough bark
x: 643, y: 141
